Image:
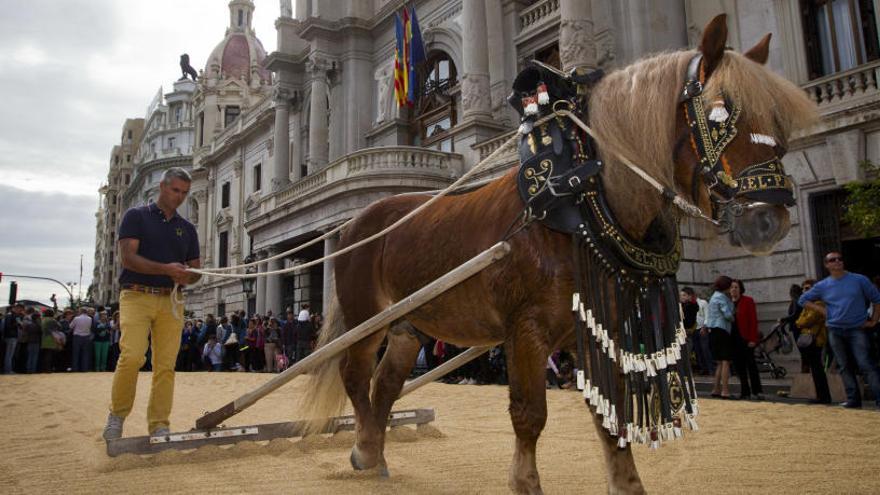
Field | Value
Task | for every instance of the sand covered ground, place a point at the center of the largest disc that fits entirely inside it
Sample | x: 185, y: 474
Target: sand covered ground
x: 50, y: 427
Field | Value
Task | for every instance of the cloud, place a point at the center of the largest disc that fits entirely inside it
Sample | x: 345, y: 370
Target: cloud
x: 44, y: 235
x: 78, y: 69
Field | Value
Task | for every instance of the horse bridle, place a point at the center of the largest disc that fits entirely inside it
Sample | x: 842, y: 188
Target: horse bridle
x: 760, y: 184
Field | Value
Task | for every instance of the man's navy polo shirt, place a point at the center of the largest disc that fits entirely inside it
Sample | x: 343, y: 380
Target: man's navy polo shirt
x: 161, y: 240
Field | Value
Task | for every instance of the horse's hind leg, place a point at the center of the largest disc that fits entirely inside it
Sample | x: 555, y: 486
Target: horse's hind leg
x: 619, y: 464
x: 526, y: 364
x: 400, y: 356
x: 357, y: 369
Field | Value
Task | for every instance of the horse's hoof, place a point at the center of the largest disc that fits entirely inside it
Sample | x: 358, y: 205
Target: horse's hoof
x: 357, y: 461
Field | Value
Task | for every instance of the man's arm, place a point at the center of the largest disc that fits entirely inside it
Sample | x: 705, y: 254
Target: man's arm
x: 875, y: 316
x: 132, y: 261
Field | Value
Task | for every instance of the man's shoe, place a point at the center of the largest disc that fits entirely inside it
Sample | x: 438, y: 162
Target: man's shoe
x: 160, y: 432
x: 113, y: 428
x: 758, y: 397
x: 851, y: 405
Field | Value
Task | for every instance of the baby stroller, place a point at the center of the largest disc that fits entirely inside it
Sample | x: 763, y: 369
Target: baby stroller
x: 778, y: 340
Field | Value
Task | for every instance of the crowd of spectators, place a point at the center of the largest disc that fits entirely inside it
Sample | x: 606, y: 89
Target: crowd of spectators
x: 835, y: 317
x: 87, y: 339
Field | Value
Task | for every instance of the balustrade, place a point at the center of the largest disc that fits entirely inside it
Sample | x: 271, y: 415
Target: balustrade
x: 843, y: 86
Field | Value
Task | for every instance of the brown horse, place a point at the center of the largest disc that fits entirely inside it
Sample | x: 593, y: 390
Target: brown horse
x: 524, y: 300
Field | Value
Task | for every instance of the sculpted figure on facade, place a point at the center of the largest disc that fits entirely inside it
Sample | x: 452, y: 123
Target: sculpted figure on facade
x: 383, y: 87
x: 286, y: 8
x: 475, y: 94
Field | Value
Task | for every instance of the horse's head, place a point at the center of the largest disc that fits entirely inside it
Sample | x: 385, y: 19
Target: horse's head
x: 736, y: 117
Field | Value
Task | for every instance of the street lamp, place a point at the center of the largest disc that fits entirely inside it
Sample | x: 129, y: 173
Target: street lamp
x: 247, y: 284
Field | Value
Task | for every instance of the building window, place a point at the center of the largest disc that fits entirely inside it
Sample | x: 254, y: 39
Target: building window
x: 549, y: 56
x: 170, y: 143
x: 113, y: 199
x: 230, y: 115
x: 223, y: 247
x: 178, y: 113
x: 221, y: 309
x: 240, y: 17
x: 127, y: 179
x: 129, y: 135
x: 224, y: 194
x: 436, y: 111
x: 127, y: 158
x: 258, y: 177
x: 201, y: 128
x: 839, y: 35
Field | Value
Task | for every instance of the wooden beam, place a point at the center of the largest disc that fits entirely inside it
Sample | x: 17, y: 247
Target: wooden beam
x: 344, y: 341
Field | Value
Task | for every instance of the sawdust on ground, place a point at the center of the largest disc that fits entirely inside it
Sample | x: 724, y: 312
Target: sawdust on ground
x: 50, y: 427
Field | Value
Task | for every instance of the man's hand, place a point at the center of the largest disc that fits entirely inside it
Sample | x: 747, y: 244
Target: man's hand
x: 752, y: 344
x: 869, y: 324
x: 177, y: 272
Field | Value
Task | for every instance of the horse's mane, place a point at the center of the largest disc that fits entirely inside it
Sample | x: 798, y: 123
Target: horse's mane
x: 632, y: 111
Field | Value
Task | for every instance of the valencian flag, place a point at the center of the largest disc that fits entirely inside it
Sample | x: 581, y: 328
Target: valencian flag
x: 408, y: 54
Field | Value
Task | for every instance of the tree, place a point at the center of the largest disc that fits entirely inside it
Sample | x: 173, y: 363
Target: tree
x: 862, y: 208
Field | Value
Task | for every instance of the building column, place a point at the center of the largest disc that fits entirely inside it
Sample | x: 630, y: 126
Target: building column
x: 281, y: 165
x: 576, y: 47
x: 318, y: 129
x: 261, y: 286
x: 273, y: 284
x: 201, y: 198
x: 294, y: 138
x: 476, y: 98
x: 329, y: 248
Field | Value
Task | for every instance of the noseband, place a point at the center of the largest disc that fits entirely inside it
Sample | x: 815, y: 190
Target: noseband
x: 760, y: 184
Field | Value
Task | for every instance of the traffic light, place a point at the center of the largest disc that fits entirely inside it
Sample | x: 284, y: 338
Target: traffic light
x: 13, y: 293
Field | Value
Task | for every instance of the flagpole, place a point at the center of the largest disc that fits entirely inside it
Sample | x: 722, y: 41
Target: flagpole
x: 79, y: 294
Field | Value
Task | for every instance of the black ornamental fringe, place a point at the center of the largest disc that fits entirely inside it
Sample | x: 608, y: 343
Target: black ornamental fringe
x: 638, y: 380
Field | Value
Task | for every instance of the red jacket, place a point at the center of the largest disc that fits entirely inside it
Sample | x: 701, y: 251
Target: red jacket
x: 747, y: 319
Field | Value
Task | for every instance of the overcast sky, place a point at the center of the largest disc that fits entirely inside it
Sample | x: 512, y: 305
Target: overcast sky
x: 71, y: 72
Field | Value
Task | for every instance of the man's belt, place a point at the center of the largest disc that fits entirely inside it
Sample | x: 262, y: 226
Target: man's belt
x: 146, y: 289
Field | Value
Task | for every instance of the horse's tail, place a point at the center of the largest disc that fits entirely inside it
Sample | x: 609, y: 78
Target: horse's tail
x: 324, y: 396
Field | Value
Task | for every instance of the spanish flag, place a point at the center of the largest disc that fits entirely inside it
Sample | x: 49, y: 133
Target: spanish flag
x: 408, y: 54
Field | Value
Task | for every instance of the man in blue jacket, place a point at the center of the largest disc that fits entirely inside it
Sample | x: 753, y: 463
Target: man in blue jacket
x: 846, y: 296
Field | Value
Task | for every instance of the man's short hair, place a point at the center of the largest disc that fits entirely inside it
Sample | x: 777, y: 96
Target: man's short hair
x: 688, y: 290
x: 176, y: 173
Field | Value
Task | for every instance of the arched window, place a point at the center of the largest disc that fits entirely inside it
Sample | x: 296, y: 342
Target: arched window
x: 436, y: 112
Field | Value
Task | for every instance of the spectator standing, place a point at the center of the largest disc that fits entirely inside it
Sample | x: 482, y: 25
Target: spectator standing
x: 846, y: 296
x: 49, y: 344
x: 251, y: 346
x: 746, y: 338
x: 812, y: 340
x: 81, y: 328
x: 288, y: 336
x: 11, y: 324
x: 304, y: 332
x: 794, y: 312
x: 273, y: 339
x: 102, y: 342
x: 719, y: 320
x: 32, y: 337
x: 704, y: 354
x: 212, y: 355
x: 187, y: 343
x: 689, y: 310
x: 115, y: 333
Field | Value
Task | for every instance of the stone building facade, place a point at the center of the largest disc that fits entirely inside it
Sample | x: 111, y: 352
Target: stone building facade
x: 321, y: 138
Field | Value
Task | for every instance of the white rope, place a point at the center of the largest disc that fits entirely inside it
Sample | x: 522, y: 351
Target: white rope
x: 681, y: 203
x: 483, y: 163
x: 177, y: 302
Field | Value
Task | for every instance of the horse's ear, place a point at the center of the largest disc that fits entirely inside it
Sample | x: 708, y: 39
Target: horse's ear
x: 713, y: 42
x: 761, y: 51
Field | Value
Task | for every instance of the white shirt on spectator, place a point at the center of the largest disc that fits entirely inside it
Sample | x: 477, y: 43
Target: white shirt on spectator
x: 303, y: 315
x: 82, y: 325
x: 212, y: 352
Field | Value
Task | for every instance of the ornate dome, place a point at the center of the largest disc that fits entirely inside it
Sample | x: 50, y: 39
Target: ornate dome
x: 240, y: 54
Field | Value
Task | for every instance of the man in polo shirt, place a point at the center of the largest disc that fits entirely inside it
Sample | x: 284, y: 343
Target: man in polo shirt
x: 156, y: 246
x: 846, y: 296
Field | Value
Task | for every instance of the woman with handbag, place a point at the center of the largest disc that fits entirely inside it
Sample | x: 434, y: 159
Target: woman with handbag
x: 810, y: 342
x: 719, y: 319
x: 53, y: 340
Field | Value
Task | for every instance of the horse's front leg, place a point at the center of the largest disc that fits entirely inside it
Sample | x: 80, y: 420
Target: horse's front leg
x: 619, y: 463
x: 526, y: 364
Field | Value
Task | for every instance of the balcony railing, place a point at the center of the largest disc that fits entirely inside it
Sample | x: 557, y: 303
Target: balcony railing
x: 844, y: 88
x: 390, y: 161
x: 537, y: 12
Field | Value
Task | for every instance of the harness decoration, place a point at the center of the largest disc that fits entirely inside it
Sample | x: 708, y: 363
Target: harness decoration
x: 620, y: 283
